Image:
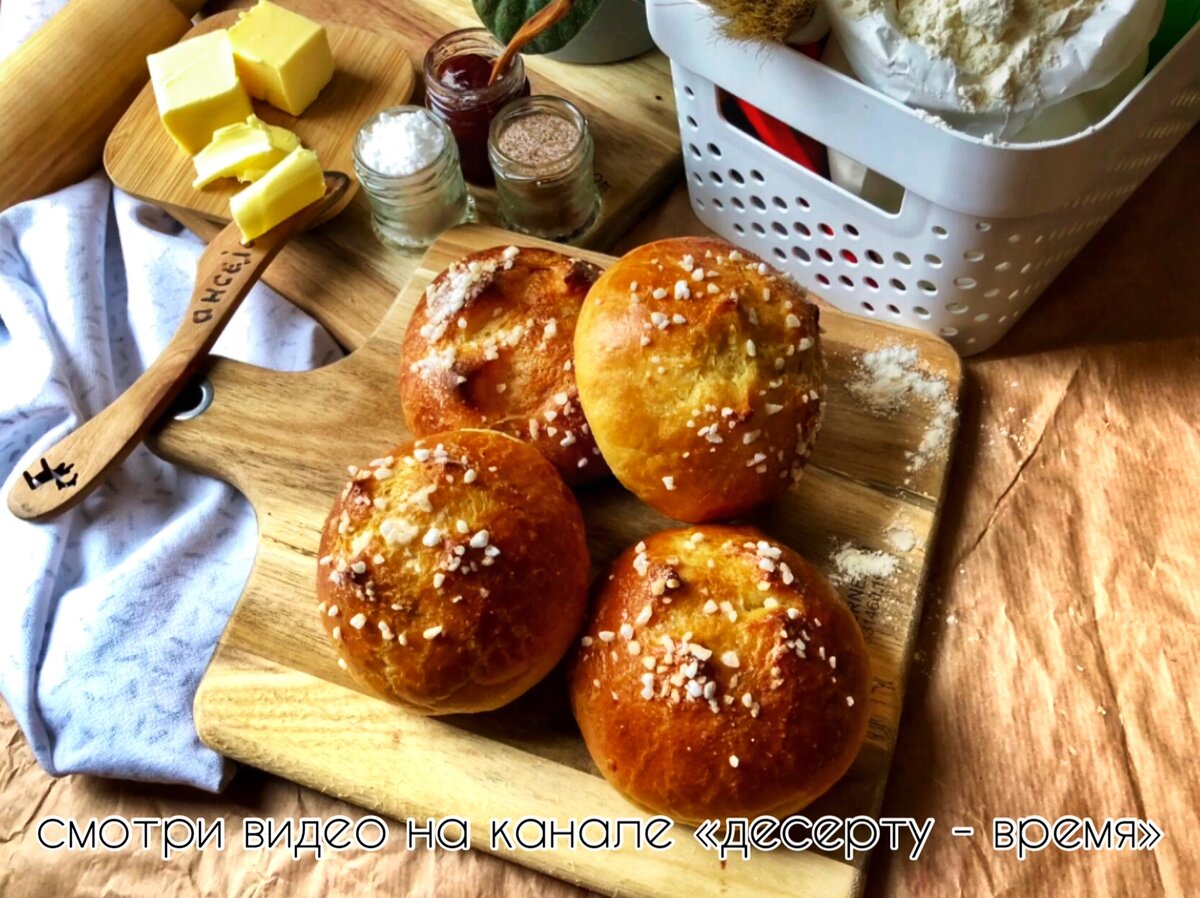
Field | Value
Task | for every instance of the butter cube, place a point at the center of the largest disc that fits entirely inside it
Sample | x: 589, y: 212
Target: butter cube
x: 197, y: 89
x: 245, y: 151
x: 282, y: 192
x: 282, y: 57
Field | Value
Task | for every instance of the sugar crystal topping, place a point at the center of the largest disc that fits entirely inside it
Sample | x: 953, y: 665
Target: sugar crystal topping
x: 446, y: 297
x: 684, y: 669
x: 413, y: 535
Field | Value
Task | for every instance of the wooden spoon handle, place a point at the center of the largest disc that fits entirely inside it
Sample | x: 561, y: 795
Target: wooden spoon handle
x: 544, y: 18
x: 68, y: 472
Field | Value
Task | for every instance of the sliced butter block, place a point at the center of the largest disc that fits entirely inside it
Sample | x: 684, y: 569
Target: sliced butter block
x: 197, y: 89
x: 283, y: 139
x: 245, y: 151
x: 284, y: 142
x: 282, y: 57
x: 282, y: 192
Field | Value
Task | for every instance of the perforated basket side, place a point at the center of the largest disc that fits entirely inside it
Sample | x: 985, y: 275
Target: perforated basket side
x: 963, y: 276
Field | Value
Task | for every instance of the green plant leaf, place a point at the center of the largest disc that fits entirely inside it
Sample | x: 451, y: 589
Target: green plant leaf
x: 504, y: 17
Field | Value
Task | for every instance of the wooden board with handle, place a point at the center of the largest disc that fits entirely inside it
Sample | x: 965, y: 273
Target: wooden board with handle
x: 336, y: 272
x: 372, y: 71
x: 226, y: 271
x: 273, y: 696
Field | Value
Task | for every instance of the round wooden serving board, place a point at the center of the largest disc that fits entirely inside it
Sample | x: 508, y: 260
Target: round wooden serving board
x: 273, y: 696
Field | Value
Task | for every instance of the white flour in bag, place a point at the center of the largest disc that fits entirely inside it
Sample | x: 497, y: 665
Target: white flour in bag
x: 998, y: 61
x: 1001, y: 44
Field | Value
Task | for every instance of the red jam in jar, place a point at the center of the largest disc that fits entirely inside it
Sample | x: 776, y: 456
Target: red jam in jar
x: 456, y: 71
x: 470, y: 71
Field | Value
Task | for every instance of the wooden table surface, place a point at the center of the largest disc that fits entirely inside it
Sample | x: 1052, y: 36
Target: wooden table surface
x: 1058, y: 659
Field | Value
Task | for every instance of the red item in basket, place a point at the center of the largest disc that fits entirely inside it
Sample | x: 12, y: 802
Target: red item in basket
x: 784, y: 139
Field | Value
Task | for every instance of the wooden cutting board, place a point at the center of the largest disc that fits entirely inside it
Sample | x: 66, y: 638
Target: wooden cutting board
x: 273, y: 696
x: 372, y: 71
x: 334, y: 272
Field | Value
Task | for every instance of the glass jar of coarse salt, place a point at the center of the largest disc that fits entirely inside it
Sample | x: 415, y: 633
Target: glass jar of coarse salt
x: 407, y: 162
x: 542, y: 153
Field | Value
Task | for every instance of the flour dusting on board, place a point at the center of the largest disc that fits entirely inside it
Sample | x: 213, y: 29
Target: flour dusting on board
x: 853, y: 565
x: 901, y: 538
x: 889, y: 379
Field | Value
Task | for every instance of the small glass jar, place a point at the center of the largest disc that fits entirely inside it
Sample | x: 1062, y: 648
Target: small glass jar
x: 410, y: 210
x: 542, y: 153
x: 456, y: 70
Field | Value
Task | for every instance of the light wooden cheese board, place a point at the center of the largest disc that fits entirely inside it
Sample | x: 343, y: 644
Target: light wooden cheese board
x: 273, y: 696
x: 629, y: 105
x: 372, y: 71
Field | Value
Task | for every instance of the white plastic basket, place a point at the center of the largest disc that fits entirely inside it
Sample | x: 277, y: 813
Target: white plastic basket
x: 983, y: 228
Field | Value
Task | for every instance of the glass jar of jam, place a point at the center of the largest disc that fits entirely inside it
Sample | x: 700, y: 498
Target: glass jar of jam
x: 456, y: 71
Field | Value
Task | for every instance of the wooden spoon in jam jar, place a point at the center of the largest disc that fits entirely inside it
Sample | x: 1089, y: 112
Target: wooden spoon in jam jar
x: 545, y: 18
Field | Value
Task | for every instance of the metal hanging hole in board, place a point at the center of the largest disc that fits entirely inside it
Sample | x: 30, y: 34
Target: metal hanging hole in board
x: 194, y: 401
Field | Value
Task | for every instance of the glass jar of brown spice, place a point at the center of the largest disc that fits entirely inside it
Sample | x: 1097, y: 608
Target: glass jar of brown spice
x: 542, y: 154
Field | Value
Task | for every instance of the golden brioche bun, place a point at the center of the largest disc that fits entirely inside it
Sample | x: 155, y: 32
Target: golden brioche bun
x: 700, y: 694
x: 699, y: 370
x: 453, y: 572
x: 490, y: 345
